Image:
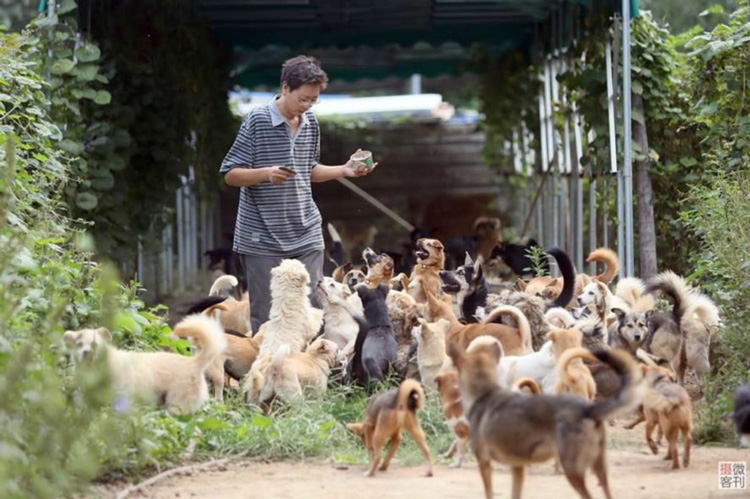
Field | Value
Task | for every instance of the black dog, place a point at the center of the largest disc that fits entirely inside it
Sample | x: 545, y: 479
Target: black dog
x: 741, y: 414
x: 374, y: 349
x: 516, y: 256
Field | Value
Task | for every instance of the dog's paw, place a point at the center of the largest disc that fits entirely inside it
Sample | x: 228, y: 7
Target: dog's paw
x: 369, y: 473
x: 655, y: 449
x: 455, y: 465
x: 429, y: 473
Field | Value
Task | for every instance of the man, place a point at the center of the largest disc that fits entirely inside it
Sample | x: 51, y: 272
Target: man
x: 274, y: 159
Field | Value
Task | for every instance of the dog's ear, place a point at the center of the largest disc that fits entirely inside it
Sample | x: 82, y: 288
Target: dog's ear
x: 478, y: 272
x: 356, y: 428
x: 70, y: 337
x: 104, y: 333
x: 468, y: 260
x: 620, y: 313
x: 455, y: 353
x: 521, y: 284
x: 347, y: 267
x: 363, y: 269
x: 496, y: 351
x: 649, y: 313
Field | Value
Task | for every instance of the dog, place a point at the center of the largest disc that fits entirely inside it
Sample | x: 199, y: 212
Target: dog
x: 519, y: 430
x: 630, y: 330
x: 174, y: 381
x: 530, y: 384
x: 430, y: 339
x: 375, y: 348
x: 741, y: 414
x: 667, y: 405
x: 354, y: 278
x: 386, y: 415
x: 341, y: 318
x: 235, y: 361
x: 447, y: 386
x: 697, y: 320
x: 425, y: 277
x: 573, y: 376
x: 517, y: 257
x: 379, y: 268
x: 289, y: 376
x: 515, y: 341
x: 468, y: 285
x: 560, y: 318
x: 233, y: 314
x: 339, y: 273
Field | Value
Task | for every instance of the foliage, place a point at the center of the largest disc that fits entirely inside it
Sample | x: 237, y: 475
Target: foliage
x: 681, y: 15
x: 169, y: 92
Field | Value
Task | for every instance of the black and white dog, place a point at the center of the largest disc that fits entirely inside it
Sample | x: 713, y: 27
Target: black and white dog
x: 375, y: 348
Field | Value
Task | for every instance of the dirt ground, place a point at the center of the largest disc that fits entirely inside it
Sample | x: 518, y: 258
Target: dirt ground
x: 634, y: 473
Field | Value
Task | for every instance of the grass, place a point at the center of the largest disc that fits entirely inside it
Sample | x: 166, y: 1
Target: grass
x: 310, y: 429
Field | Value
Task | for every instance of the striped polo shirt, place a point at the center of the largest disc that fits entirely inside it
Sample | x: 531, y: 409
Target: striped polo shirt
x: 276, y: 220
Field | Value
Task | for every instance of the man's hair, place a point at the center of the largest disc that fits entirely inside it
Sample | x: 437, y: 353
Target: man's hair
x: 303, y: 69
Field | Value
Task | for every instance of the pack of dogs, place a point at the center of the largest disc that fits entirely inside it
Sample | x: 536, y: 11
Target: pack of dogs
x: 528, y: 370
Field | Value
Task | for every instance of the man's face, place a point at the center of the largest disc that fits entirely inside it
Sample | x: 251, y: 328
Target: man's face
x: 302, y: 98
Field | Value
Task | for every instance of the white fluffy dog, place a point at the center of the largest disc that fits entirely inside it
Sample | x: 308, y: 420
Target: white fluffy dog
x: 176, y: 381
x: 292, y: 320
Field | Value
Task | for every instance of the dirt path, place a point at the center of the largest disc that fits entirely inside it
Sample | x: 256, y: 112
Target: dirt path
x: 634, y: 472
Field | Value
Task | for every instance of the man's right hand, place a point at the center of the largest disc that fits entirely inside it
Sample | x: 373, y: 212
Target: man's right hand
x: 277, y: 175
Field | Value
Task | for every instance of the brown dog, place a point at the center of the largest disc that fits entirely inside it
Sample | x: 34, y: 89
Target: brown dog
x: 520, y: 430
x: 447, y: 385
x: 379, y: 268
x: 573, y: 376
x: 514, y: 341
x: 425, y: 277
x: 666, y: 406
x: 386, y: 415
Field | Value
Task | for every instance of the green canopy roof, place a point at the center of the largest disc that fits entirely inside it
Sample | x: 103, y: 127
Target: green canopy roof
x: 381, y: 38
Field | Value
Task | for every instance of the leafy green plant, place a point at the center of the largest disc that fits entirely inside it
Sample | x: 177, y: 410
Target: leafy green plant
x: 538, y: 260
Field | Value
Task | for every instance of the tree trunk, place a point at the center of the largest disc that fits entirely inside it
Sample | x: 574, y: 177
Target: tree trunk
x: 646, y: 227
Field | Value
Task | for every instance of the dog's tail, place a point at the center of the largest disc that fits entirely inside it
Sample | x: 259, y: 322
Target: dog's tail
x: 337, y: 252
x: 629, y: 395
x: 568, y: 272
x: 275, y: 371
x: 207, y: 334
x: 559, y: 317
x: 224, y: 283
x: 410, y: 396
x: 630, y: 290
x: 677, y: 290
x: 568, y: 356
x: 523, y: 323
x: 205, y: 304
x: 705, y: 310
x: 609, y: 259
x: 529, y: 383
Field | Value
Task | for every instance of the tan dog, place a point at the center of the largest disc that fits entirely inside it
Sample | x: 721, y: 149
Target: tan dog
x: 573, y: 376
x: 666, y: 406
x: 447, y: 386
x: 232, y: 314
x: 175, y: 381
x: 289, y: 376
x: 514, y: 341
x: 339, y: 273
x: 386, y: 415
x: 430, y: 338
x: 235, y: 361
x: 425, y: 277
x: 379, y: 268
x: 519, y: 430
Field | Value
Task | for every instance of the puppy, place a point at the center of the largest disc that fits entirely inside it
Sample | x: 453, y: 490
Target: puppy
x: 425, y: 277
x: 340, y: 272
x: 386, y: 415
x: 430, y: 338
x: 175, y: 381
x: 741, y: 414
x: 375, y: 348
x: 354, y: 278
x: 379, y: 268
x: 514, y: 341
x: 289, y: 375
x: 519, y: 430
x: 341, y: 318
x: 235, y: 361
x: 667, y: 405
x: 447, y: 386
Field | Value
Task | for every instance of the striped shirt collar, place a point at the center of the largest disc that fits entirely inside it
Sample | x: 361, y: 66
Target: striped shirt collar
x: 277, y: 118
